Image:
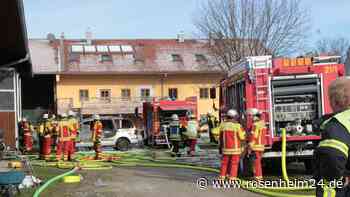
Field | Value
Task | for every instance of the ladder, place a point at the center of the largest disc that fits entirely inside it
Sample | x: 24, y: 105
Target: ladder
x: 262, y: 91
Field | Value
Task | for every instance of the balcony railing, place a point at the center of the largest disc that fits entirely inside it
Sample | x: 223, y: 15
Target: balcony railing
x: 113, y: 105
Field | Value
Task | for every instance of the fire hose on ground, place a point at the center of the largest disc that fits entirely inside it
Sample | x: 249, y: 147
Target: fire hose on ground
x: 134, y: 160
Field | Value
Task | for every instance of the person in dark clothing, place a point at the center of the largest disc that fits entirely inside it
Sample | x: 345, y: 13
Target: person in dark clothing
x: 212, y: 123
x: 331, y: 156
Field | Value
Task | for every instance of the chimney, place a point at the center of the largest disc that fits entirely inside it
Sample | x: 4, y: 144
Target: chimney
x: 181, y: 36
x: 61, y: 58
x: 51, y: 37
x: 88, y: 36
x: 211, y: 39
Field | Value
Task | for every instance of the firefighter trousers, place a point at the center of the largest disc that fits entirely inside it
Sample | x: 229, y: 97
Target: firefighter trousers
x: 229, y: 165
x: 257, y: 165
x: 46, y: 147
x: 65, y: 147
x: 97, y: 149
x: 192, y: 145
x: 28, y: 142
x: 176, y: 144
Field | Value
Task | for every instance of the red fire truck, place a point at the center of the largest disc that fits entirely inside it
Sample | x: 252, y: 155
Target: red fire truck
x: 157, y: 115
x: 292, y: 93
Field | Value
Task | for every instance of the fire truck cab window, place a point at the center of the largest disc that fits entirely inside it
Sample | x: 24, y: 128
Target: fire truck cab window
x: 235, y: 96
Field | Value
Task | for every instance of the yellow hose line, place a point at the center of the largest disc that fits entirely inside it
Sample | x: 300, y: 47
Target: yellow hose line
x: 135, y: 160
x: 283, y: 159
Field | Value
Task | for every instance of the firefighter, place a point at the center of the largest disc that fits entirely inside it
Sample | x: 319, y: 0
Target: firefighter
x: 212, y: 123
x: 54, y: 135
x: 257, y: 141
x: 97, y: 129
x: 27, y: 130
x: 191, y: 134
x: 174, y: 134
x: 64, y: 139
x: 231, y: 135
x: 331, y: 156
x: 45, y: 132
x: 73, y: 121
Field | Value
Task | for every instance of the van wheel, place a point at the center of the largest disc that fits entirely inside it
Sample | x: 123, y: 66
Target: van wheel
x: 122, y: 144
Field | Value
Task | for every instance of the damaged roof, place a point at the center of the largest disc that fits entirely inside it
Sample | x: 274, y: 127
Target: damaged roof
x: 127, y: 56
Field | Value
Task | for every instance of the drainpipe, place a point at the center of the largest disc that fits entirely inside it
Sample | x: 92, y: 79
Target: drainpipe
x: 164, y: 75
x: 60, y: 67
x: 61, y: 57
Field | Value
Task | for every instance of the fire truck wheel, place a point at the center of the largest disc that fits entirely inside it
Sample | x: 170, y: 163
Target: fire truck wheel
x: 122, y: 144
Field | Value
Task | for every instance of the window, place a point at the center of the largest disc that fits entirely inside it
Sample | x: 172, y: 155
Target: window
x: 89, y: 49
x: 176, y: 58
x: 173, y: 93
x: 106, y: 58
x: 126, y: 94
x: 204, y: 93
x: 105, y: 94
x: 145, y: 92
x: 127, y: 124
x: 107, y: 125
x: 101, y: 48
x: 77, y: 48
x: 84, y: 95
x: 200, y: 58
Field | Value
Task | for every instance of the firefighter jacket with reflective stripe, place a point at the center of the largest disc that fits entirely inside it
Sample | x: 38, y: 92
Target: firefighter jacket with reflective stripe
x: 75, y: 127
x: 231, y: 135
x: 332, y: 155
x: 97, y: 132
x: 65, y: 129
x: 174, y: 130
x: 192, y: 129
x: 45, y: 128
x: 27, y: 128
x: 344, y: 119
x: 257, y: 141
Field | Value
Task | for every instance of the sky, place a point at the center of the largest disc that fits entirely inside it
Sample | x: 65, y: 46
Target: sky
x: 155, y: 18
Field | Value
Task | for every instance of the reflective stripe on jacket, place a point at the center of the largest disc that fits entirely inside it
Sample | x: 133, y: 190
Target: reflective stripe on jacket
x: 231, y: 135
x: 174, y: 129
x: 344, y: 119
x: 192, y: 129
x: 258, y: 136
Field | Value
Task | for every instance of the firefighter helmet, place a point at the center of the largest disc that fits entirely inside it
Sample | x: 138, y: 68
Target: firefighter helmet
x: 53, y: 116
x: 253, y: 111
x: 210, y: 112
x: 232, y: 113
x: 174, y: 117
x: 192, y: 116
x: 71, y: 113
x: 45, y: 116
x: 64, y: 115
x: 97, y: 117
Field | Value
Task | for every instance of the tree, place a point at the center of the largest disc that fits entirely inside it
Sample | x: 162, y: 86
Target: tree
x: 347, y: 62
x: 332, y: 46
x: 240, y: 28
